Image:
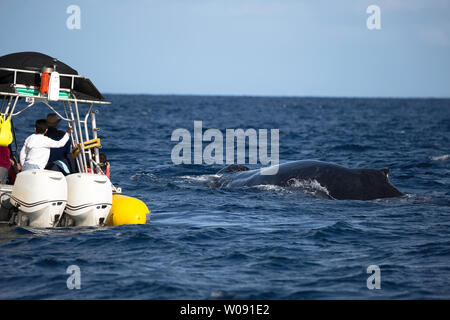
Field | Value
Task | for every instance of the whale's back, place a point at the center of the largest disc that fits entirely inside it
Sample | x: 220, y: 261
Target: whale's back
x: 339, y: 182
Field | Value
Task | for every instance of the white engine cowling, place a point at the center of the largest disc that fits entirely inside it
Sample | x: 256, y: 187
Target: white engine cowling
x: 40, y: 196
x: 89, y: 198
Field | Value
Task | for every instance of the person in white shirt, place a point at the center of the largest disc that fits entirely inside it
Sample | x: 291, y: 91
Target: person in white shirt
x: 36, y: 149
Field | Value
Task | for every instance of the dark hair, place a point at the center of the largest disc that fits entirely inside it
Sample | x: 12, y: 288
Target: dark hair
x: 41, y: 126
x: 102, y: 158
x: 103, y: 162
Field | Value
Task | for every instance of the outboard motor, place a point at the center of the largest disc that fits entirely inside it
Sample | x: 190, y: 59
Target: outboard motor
x: 89, y: 199
x: 39, y: 197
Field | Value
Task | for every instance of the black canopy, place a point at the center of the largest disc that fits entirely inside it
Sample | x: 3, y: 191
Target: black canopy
x: 35, y: 61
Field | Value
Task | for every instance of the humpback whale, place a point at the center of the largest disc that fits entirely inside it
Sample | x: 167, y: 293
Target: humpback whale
x: 341, y: 183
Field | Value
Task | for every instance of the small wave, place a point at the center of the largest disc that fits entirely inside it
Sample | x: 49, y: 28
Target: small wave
x: 335, y: 230
x: 269, y: 187
x: 143, y: 175
x: 444, y: 157
x: 208, y: 180
x: 420, y: 199
x: 201, y: 178
x: 219, y: 294
x: 310, y: 186
x: 351, y: 147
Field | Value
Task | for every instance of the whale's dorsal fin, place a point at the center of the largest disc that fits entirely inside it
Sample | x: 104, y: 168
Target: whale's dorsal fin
x: 233, y: 168
x: 385, y: 171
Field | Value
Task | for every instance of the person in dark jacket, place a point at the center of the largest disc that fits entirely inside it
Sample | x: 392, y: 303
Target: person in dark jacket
x: 60, y: 158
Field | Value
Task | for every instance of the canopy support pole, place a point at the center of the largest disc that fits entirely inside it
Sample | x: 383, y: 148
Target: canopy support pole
x: 71, y: 135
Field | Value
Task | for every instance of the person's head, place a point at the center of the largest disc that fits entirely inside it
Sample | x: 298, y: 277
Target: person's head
x: 52, y: 120
x: 41, y: 126
x: 103, y: 164
x: 103, y: 158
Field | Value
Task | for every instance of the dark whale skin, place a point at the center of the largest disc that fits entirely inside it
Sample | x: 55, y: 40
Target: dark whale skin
x: 342, y: 183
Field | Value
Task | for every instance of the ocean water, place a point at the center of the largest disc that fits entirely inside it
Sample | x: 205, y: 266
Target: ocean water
x: 202, y: 242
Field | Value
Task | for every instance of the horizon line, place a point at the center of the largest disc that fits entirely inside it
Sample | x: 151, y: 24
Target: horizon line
x: 279, y: 96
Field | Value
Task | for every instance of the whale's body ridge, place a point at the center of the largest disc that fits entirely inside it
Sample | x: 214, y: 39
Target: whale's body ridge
x: 341, y: 183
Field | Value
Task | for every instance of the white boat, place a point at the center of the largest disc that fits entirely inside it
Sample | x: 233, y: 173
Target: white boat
x: 45, y: 198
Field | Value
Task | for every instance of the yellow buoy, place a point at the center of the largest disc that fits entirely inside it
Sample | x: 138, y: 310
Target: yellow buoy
x: 126, y: 210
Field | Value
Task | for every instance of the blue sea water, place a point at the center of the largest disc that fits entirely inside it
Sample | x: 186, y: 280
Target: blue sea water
x: 202, y: 242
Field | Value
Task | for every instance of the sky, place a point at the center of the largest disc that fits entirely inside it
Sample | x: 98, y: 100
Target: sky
x: 242, y: 47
